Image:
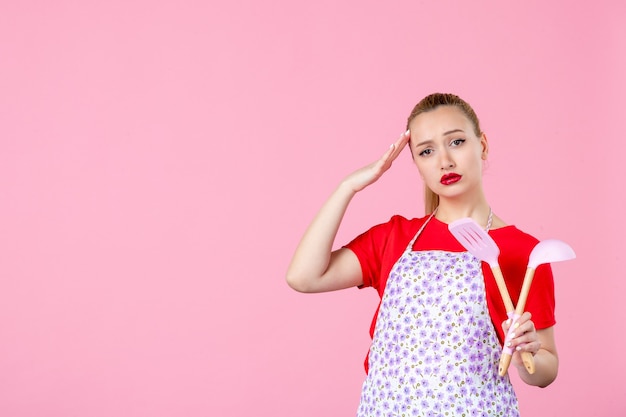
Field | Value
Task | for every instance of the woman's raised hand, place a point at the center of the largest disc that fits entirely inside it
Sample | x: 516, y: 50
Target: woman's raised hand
x: 369, y: 174
x: 315, y: 267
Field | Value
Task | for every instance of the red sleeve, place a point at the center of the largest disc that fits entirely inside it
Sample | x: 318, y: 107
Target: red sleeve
x: 367, y: 248
x: 380, y: 247
x: 515, y: 247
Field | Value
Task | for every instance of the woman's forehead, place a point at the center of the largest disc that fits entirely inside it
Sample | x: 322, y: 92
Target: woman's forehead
x: 440, y: 121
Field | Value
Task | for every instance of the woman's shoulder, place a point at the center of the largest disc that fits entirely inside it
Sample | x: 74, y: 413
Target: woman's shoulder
x: 401, y: 224
x: 399, y: 219
x: 509, y: 236
x: 397, y: 227
x: 516, y: 247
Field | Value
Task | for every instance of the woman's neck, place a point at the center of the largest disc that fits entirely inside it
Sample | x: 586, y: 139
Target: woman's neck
x: 450, y: 210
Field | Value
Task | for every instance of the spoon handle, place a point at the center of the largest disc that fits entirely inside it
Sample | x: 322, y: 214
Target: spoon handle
x: 507, y: 353
x: 527, y: 357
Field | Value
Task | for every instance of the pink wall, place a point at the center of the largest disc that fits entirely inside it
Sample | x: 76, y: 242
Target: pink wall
x: 160, y: 159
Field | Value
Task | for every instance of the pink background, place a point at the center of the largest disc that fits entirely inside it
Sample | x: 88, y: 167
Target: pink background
x: 159, y: 161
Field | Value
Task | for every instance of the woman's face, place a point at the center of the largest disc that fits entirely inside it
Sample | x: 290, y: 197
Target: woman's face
x: 447, y: 152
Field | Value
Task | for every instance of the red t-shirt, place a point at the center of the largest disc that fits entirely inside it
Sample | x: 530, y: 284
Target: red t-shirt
x: 379, y: 248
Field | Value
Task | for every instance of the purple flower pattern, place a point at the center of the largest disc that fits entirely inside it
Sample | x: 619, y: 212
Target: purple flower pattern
x: 435, y: 351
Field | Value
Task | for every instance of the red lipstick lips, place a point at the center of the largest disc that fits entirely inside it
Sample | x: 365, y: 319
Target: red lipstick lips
x: 450, y: 178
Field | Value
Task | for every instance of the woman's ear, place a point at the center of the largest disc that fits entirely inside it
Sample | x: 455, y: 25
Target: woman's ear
x: 485, y: 146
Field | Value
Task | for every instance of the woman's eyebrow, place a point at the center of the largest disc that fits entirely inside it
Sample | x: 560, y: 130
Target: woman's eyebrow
x: 429, y: 141
x: 426, y: 142
x: 453, y: 131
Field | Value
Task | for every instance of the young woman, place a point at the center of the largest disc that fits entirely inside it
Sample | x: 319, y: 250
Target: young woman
x: 439, y: 327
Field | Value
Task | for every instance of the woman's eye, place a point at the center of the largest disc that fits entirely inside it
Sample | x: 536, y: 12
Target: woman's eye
x: 457, y: 142
x: 425, y: 152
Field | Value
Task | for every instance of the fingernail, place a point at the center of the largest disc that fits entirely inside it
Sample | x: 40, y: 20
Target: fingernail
x: 516, y: 325
x: 509, y: 344
x: 408, y: 131
x: 508, y: 322
x: 518, y: 348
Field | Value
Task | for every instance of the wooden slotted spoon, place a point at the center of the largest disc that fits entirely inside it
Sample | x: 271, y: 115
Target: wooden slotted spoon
x: 478, y: 242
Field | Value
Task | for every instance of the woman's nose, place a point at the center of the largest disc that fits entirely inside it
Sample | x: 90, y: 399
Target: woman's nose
x: 446, y: 161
